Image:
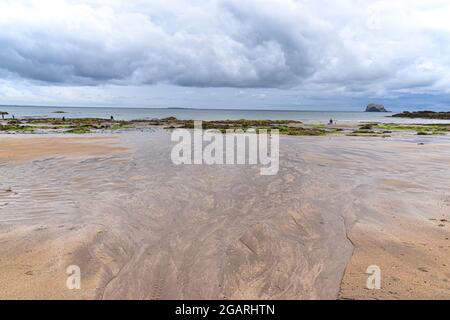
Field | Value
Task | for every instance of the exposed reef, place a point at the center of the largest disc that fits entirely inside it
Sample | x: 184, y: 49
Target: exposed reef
x: 424, y: 115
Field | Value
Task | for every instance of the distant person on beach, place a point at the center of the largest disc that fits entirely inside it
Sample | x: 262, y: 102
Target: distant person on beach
x: 331, y: 122
x: 112, y: 118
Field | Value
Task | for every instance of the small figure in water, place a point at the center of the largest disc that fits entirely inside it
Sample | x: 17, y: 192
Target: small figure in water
x: 331, y: 122
x: 112, y: 118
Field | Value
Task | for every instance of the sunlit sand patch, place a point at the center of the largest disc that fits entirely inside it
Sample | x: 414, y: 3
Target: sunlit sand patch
x: 26, y: 148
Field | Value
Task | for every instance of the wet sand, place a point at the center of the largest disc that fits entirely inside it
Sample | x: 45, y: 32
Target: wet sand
x: 141, y: 228
x: 20, y: 148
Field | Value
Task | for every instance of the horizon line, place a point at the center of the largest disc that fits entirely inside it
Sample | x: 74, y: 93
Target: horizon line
x: 179, y: 108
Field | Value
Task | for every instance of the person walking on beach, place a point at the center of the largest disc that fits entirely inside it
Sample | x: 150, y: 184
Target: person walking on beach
x: 331, y: 122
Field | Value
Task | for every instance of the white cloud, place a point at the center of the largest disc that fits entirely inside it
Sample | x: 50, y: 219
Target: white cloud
x: 352, y: 48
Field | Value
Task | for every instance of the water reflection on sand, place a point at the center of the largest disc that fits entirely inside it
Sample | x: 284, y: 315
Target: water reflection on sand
x: 140, y: 227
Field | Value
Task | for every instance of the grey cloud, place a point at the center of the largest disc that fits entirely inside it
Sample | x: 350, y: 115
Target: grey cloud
x: 253, y: 55
x: 305, y: 45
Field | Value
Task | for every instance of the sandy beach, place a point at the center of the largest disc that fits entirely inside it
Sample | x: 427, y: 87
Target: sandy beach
x: 140, y: 227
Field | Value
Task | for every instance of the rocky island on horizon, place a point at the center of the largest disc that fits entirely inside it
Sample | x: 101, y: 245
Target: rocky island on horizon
x: 373, y: 107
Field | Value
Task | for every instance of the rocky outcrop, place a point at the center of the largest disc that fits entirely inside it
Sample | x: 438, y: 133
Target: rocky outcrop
x: 424, y: 115
x: 376, y: 108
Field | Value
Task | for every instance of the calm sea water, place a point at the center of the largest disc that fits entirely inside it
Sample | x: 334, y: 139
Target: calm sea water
x: 209, y: 114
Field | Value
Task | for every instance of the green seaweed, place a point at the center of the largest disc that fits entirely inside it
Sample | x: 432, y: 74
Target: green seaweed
x: 368, y: 133
x: 16, y: 128
x: 79, y: 130
x: 119, y: 126
x: 414, y: 127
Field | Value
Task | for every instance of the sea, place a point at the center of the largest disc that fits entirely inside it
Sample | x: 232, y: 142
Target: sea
x: 207, y: 114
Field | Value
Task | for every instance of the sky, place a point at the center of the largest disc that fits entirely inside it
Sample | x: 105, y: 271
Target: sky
x: 252, y: 54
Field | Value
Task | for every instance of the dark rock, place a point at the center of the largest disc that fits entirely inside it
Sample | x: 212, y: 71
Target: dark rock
x: 424, y: 115
x: 376, y: 108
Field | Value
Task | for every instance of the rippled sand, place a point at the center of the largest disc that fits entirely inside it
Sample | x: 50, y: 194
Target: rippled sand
x: 141, y: 228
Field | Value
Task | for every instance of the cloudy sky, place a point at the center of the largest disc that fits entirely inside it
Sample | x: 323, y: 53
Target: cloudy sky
x: 271, y: 54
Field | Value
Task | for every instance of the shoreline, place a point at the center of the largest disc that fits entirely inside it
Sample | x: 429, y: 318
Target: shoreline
x: 286, y: 127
